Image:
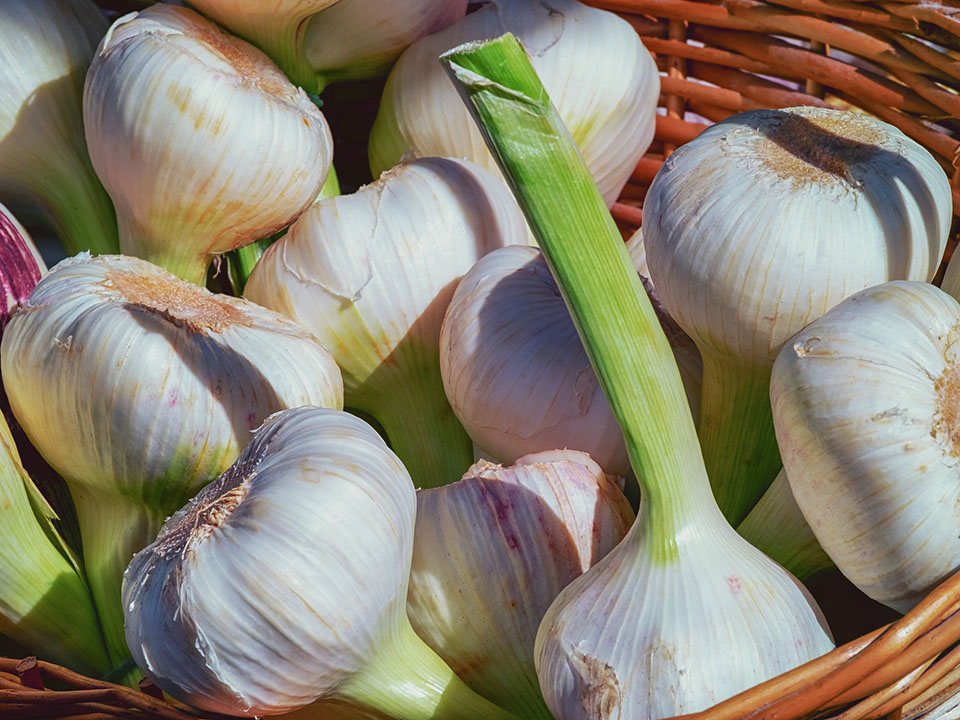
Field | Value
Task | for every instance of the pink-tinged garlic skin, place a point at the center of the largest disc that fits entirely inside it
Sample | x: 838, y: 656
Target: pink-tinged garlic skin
x: 493, y: 550
x: 20, y: 265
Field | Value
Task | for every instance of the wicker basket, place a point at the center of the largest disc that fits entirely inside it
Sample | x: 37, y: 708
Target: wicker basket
x: 897, y: 60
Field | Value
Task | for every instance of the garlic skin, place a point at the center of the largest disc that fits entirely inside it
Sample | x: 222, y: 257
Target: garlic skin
x: 138, y: 388
x: 759, y: 226
x: 352, y: 40
x: 236, y: 151
x: 371, y: 274
x: 530, y: 529
x: 865, y: 406
x: 603, y: 81
x: 20, y: 264
x: 642, y: 654
x: 319, y: 508
x: 45, y: 171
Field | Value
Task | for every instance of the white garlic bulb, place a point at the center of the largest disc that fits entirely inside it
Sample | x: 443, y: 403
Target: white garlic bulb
x: 354, y: 39
x: 371, y: 274
x: 235, y: 151
x: 45, y: 172
x: 493, y: 550
x: 865, y: 406
x: 283, y: 582
x: 139, y: 387
x: 603, y: 81
x: 759, y: 226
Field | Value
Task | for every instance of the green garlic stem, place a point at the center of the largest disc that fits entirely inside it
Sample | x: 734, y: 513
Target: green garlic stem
x: 736, y: 433
x: 627, y: 348
x: 777, y: 527
x: 113, y: 529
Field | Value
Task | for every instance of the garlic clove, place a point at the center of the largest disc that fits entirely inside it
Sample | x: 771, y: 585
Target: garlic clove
x: 528, y: 529
x: 236, y: 151
x: 44, y: 603
x: 138, y: 388
x: 283, y: 582
x: 592, y: 62
x: 45, y: 171
x: 514, y: 368
x: 864, y: 402
x: 352, y: 40
x: 371, y: 274
x: 759, y: 226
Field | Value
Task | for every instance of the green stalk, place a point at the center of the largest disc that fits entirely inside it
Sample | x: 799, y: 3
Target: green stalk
x: 618, y: 326
x: 242, y: 261
x: 777, y: 527
x: 113, y: 529
x: 419, y: 423
x: 736, y: 433
x: 408, y: 681
x: 45, y: 605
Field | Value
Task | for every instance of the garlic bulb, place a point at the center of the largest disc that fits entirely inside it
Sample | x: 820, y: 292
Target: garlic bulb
x: 776, y: 526
x: 865, y: 406
x: 283, y: 582
x: 627, y: 638
x: 353, y: 40
x: 45, y: 172
x: 529, y: 530
x: 371, y: 274
x: 235, y: 151
x: 602, y: 79
x: 274, y: 26
x: 759, y: 226
x: 138, y: 388
x: 44, y: 603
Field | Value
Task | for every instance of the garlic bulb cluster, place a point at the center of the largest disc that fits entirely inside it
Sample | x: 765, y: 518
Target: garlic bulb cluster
x: 138, y: 388
x: 865, y: 404
x: 490, y: 554
x: 353, y: 40
x: 283, y: 583
x: 604, y: 82
x: 235, y: 151
x: 371, y: 274
x: 45, y: 172
x: 759, y: 226
x: 44, y: 603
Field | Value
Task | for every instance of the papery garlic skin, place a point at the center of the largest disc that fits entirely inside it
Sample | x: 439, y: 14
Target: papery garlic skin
x: 283, y: 582
x: 493, y: 550
x: 759, y: 226
x: 371, y: 274
x: 235, y: 151
x: 353, y: 40
x: 601, y: 78
x: 139, y: 387
x: 45, y: 171
x: 865, y: 406
x: 20, y: 264
x: 654, y: 620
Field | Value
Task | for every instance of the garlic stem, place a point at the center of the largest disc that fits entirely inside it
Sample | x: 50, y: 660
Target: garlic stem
x: 777, y: 527
x: 736, y: 432
x: 110, y: 526
x: 432, y: 443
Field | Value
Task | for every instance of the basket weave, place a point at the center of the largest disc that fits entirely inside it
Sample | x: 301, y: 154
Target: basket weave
x: 897, y: 60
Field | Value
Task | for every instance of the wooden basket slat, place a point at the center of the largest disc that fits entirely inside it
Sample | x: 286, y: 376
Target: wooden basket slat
x: 851, y: 12
x: 937, y: 58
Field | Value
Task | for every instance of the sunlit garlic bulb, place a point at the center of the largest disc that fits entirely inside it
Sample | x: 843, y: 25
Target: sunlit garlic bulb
x: 45, y: 172
x: 283, y: 582
x: 371, y: 274
x: 515, y: 371
x: 592, y: 63
x: 490, y: 554
x: 138, y: 388
x: 865, y: 402
x: 758, y: 227
x: 234, y: 151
